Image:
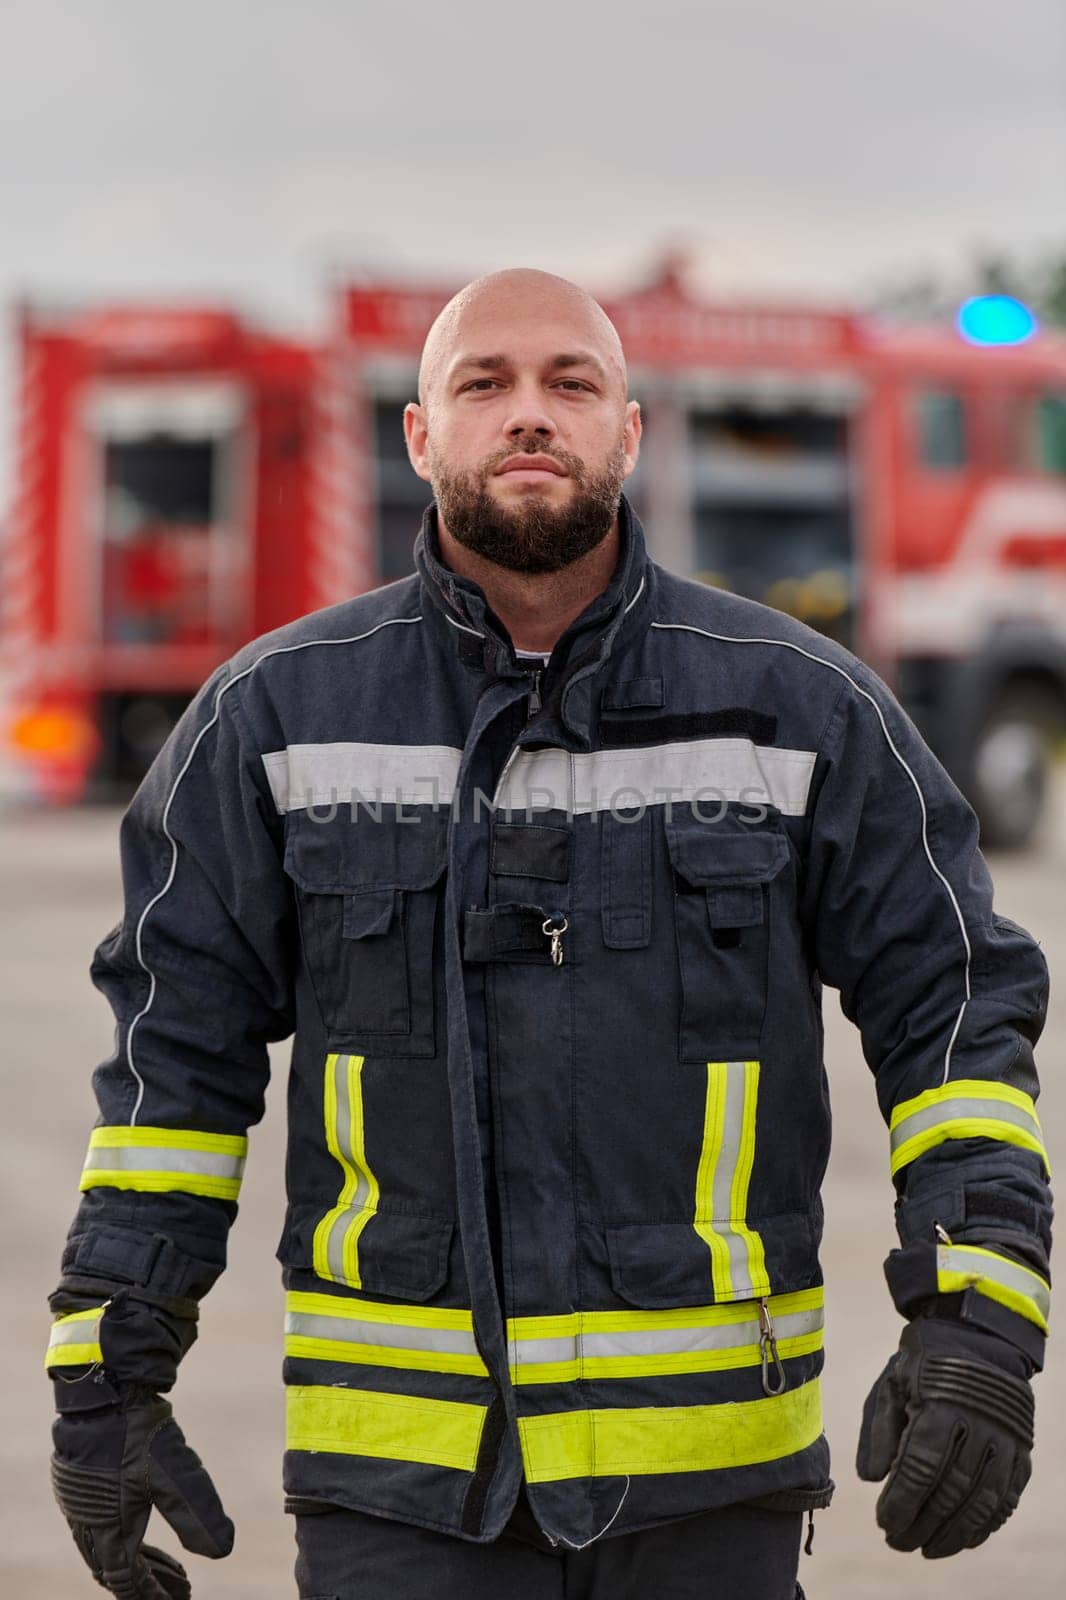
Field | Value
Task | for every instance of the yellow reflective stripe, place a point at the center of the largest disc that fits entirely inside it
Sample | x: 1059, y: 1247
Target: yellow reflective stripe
x: 162, y: 1160
x: 759, y: 1282
x: 654, y: 1366
x: 229, y: 1144
x: 997, y: 1277
x: 387, y: 1427
x: 966, y: 1128
x: 576, y: 1322
x: 723, y: 1177
x: 966, y: 1108
x: 964, y: 1089
x: 74, y: 1339
x: 331, y: 1305
x: 713, y: 1136
x: 380, y: 1355
x: 649, y: 1439
x: 661, y: 1342
x: 321, y: 1327
x: 335, y: 1249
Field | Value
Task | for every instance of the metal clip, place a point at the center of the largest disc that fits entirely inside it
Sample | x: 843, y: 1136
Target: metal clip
x: 942, y: 1233
x: 769, y: 1353
x: 555, y: 934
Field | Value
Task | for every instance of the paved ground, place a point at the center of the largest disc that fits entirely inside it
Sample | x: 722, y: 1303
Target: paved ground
x: 60, y: 895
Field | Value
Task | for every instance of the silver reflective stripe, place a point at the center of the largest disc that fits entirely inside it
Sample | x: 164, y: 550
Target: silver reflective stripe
x: 724, y: 1178
x: 663, y: 1341
x: 80, y: 1330
x: 707, y: 771
x: 957, y: 1259
x: 392, y: 1335
x: 738, y: 1262
x: 149, y: 1158
x: 305, y: 775
x: 361, y: 1194
x: 960, y: 1110
x: 74, y: 1339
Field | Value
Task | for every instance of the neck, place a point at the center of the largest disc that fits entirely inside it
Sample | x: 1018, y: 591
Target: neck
x: 535, y: 607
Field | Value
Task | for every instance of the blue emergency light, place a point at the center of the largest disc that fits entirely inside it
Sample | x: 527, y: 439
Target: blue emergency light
x: 995, y: 319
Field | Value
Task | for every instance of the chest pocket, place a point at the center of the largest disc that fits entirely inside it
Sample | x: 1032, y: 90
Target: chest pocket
x: 723, y: 878
x: 368, y: 896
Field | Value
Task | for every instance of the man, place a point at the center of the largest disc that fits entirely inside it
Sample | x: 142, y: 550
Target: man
x: 551, y: 935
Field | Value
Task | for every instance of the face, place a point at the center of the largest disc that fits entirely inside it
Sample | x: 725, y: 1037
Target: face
x: 525, y: 433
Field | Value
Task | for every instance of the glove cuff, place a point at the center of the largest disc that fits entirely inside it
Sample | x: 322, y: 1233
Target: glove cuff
x: 983, y: 1288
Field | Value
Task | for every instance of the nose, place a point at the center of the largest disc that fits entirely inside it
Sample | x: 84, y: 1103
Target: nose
x: 528, y: 414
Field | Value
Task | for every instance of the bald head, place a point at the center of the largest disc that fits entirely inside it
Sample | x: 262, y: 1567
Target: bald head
x: 510, y: 299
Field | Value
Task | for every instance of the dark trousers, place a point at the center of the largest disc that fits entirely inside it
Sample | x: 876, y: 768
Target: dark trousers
x: 738, y: 1553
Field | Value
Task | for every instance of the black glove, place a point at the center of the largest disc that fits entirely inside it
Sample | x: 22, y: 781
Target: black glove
x: 114, y: 1462
x: 950, y: 1420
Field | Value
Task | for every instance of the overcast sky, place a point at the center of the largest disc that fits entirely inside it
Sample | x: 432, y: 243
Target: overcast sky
x: 815, y: 147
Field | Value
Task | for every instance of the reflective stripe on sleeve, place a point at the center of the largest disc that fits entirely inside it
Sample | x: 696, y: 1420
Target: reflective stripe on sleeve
x: 638, y: 1344
x: 738, y: 1266
x: 649, y: 1439
x: 336, y: 1240
x: 157, y: 1160
x: 74, y: 1340
x: 388, y: 1427
x: 966, y: 1108
x: 321, y: 1327
x: 966, y: 1266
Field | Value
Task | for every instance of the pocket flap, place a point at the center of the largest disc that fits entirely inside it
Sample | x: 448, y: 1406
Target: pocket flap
x: 666, y: 1265
x: 340, y: 856
x: 659, y: 1265
x: 735, y: 906
x: 706, y: 853
x: 633, y: 692
x: 370, y: 913
x: 401, y: 1255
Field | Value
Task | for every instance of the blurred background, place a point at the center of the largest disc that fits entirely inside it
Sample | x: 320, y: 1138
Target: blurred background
x: 833, y: 239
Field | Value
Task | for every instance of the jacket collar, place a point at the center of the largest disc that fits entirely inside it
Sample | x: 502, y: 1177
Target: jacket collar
x: 481, y: 642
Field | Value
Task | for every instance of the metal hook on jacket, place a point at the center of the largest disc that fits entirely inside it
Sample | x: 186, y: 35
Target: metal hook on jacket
x: 769, y: 1354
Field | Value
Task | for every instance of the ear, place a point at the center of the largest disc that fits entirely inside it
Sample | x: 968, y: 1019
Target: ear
x: 416, y: 433
x: 632, y: 431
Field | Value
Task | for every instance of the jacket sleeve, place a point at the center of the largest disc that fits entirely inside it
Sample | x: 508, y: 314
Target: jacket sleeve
x: 199, y: 976
x: 950, y: 999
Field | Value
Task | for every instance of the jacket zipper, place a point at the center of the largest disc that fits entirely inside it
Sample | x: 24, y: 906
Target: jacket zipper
x: 534, y: 694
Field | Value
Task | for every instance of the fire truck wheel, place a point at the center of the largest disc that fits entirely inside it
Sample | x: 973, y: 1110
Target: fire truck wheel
x: 1012, y: 764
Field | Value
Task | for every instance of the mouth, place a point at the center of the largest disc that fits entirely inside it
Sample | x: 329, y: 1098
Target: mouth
x: 531, y: 467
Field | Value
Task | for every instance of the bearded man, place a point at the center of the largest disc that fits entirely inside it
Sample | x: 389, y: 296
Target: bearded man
x: 543, y: 855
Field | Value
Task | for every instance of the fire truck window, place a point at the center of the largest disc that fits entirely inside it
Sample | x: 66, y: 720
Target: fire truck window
x: 1051, y: 433
x: 159, y: 479
x: 773, y: 518
x: 941, y: 419
x: 162, y: 503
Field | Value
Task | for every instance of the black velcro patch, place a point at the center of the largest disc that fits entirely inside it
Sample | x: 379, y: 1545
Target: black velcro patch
x: 733, y: 722
x: 529, y: 850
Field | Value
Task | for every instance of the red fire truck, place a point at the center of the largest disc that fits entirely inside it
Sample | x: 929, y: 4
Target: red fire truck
x: 167, y: 508
x: 186, y: 482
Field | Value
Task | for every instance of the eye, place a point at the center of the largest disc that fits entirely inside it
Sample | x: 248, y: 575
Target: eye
x: 480, y: 384
x: 574, y: 385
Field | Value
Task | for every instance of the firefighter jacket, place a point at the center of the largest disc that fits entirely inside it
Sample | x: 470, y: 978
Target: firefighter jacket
x: 552, y: 947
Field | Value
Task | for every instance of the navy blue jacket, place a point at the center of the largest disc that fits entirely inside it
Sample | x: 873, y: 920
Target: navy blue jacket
x: 552, y: 947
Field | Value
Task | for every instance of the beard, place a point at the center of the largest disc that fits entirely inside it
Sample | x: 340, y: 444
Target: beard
x: 532, y: 536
